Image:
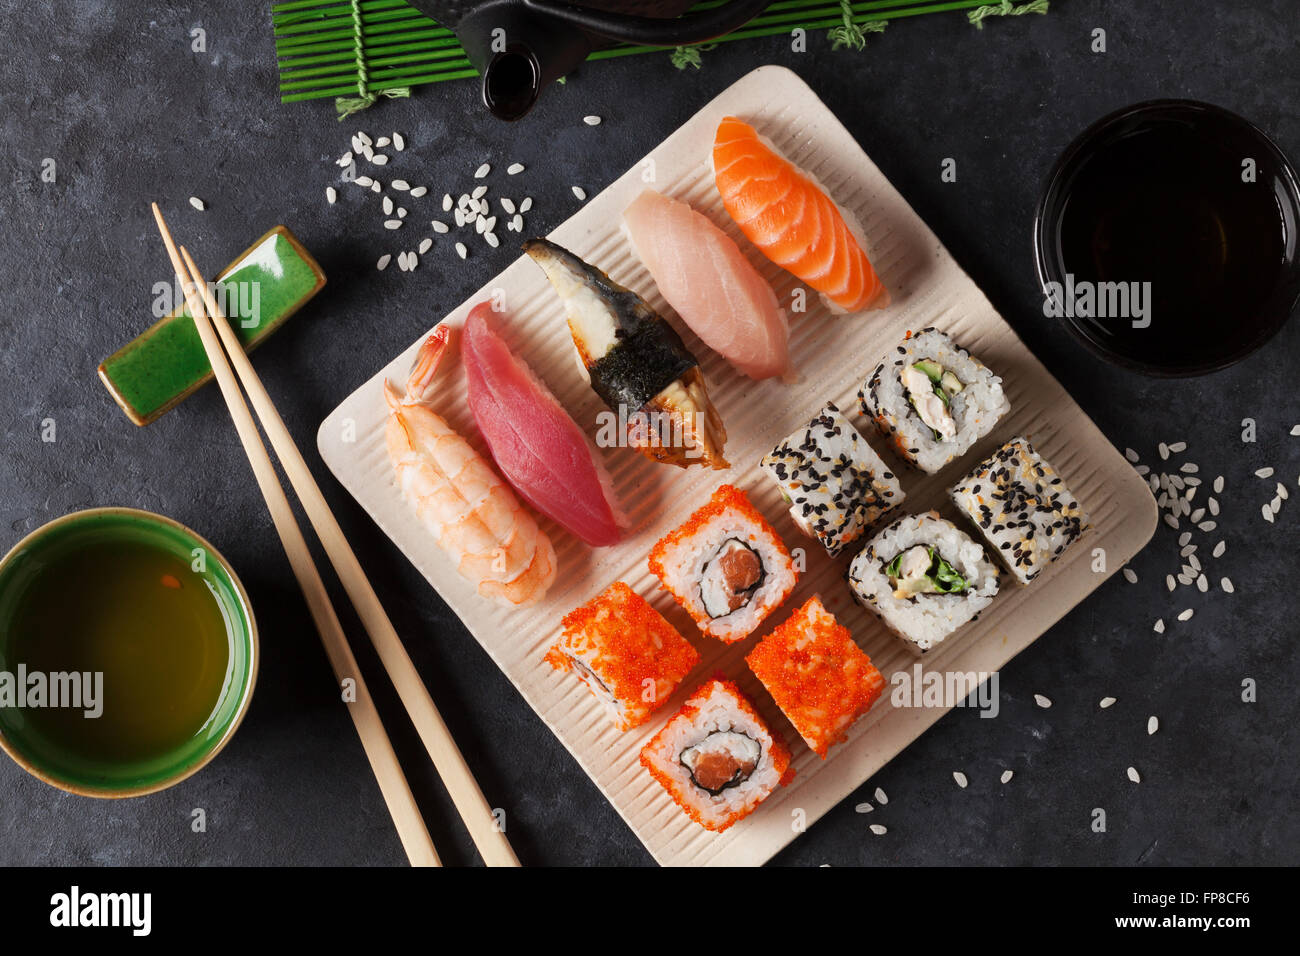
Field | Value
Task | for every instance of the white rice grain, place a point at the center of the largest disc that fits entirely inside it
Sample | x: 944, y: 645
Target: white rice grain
x: 1131, y: 455
x: 365, y: 138
x: 1189, y: 468
x: 382, y: 142
x: 1178, y: 447
x: 514, y: 169
x: 1007, y: 775
x: 878, y: 830
x: 1268, y: 513
x: 1264, y: 473
x: 399, y: 143
x: 1295, y: 430
x: 419, y: 191
x: 461, y: 250
x: 439, y: 226
x: 527, y: 204
x: 382, y: 264
x: 1133, y: 775
x: 1214, y: 506
x: 376, y: 187
x: 425, y: 245
x: 1171, y: 521
x: 507, y: 204
x: 1164, y: 451
x: 388, y: 206
x: 1159, y: 627
x: 1106, y: 702
x: 331, y: 195
x: 1202, y: 584
x: 517, y: 223
x: 960, y: 778
x: 1282, y: 492
x: 1226, y: 584
x: 579, y: 192
x: 1218, y: 485
x: 491, y: 239
x: 447, y: 202
x: 591, y: 120
x: 364, y: 181
x: 863, y: 808
x: 1186, y: 615
x: 401, y: 213
x: 1169, y: 581
x: 1219, y: 548
x: 379, y: 159
x: 344, y: 160
x: 1153, y: 724
x: 1130, y: 576
x: 392, y: 224
x: 881, y: 797
x: 478, y: 192
x: 482, y: 171
x: 1042, y: 701
x: 197, y: 203
x: 400, y: 184
x: 1207, y: 526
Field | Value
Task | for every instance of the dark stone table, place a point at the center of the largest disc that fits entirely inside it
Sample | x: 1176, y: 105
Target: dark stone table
x: 116, y: 97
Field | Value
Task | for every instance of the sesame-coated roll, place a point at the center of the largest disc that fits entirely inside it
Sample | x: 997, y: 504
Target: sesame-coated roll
x: 817, y: 675
x: 716, y: 757
x: 924, y: 577
x: 625, y: 652
x: 1022, y: 507
x: 836, y: 485
x: 725, y: 565
x: 933, y: 399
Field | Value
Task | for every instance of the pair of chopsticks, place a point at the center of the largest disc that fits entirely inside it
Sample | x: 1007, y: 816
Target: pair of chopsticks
x: 473, y: 808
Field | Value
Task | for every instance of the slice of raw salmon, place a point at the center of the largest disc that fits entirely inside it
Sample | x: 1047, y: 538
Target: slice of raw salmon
x: 791, y: 220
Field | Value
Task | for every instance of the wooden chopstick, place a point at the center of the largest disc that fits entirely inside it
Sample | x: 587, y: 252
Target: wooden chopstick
x: 379, y: 750
x: 483, y: 826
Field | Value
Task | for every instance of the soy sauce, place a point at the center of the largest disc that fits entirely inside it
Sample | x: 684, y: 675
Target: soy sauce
x: 1194, y: 211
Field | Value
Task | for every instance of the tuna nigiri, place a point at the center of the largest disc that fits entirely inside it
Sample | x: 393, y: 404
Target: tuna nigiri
x: 636, y: 363
x: 791, y: 220
x: 534, y: 442
x: 705, y: 277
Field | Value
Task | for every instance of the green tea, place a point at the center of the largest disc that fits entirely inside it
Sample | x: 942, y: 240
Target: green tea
x: 137, y: 613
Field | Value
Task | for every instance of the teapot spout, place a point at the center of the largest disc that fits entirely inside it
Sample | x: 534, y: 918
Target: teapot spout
x: 519, y: 54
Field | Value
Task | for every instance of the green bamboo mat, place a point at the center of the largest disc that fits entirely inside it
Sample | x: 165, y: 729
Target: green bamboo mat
x: 359, y: 50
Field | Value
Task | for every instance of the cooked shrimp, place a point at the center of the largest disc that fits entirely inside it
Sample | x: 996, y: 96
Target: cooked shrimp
x: 471, y: 513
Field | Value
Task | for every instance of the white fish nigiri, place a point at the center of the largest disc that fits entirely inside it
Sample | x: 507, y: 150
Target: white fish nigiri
x: 708, y: 281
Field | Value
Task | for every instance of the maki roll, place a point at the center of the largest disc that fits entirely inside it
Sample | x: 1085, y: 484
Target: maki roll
x: 1022, y: 508
x: 629, y: 657
x: 933, y: 400
x: 836, y: 485
x: 924, y: 578
x: 716, y: 757
x: 817, y: 675
x: 725, y: 566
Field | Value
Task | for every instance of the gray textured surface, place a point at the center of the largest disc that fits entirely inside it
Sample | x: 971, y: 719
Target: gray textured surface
x: 112, y: 92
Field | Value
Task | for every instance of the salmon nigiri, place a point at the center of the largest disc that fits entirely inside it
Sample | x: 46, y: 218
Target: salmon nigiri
x: 709, y: 282
x: 791, y: 220
x: 537, y: 446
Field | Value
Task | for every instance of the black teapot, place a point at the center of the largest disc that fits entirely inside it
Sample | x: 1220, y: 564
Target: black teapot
x: 521, y: 46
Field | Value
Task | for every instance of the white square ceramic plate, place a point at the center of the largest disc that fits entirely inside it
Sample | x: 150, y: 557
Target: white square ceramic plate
x: 833, y: 355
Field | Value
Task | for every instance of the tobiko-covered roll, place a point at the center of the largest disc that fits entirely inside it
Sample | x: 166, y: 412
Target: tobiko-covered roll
x: 629, y: 657
x: 726, y: 566
x: 817, y: 675
x: 716, y: 757
x: 836, y: 485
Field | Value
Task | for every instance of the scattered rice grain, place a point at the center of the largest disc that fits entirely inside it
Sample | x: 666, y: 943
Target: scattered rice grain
x: 1042, y: 701
x: 1106, y: 702
x: 1133, y: 775
x: 482, y: 171
x: 1130, y: 576
x: 461, y: 250
x: 1264, y: 473
x: 382, y: 264
x: 1186, y: 615
x: 514, y: 169
x: 425, y: 245
x: 1226, y: 584
x: 1159, y: 627
x: 1007, y: 775
x: 392, y: 224
x: 878, y: 830
x: 579, y: 192
x: 331, y: 195
x: 960, y: 778
x: 419, y: 191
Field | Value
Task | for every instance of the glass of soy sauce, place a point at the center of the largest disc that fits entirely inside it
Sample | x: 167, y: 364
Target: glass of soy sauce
x: 1166, y: 238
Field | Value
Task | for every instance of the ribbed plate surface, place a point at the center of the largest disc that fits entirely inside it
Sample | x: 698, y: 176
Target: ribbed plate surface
x: 833, y: 354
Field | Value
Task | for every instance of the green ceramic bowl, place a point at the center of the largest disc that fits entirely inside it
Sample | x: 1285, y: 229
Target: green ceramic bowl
x: 74, y: 769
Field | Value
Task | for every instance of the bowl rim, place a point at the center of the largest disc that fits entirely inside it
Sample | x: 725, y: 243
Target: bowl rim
x: 1084, y: 142
x: 254, y: 656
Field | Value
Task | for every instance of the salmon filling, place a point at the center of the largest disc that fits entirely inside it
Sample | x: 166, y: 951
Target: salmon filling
x: 722, y: 759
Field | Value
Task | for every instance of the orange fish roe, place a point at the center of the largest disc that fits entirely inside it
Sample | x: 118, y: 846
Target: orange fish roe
x: 680, y: 559
x: 817, y: 675
x: 625, y: 652
x: 718, y: 705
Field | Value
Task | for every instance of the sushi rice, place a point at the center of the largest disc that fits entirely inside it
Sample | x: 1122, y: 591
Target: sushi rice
x: 913, y: 400
x: 716, y: 757
x: 923, y: 619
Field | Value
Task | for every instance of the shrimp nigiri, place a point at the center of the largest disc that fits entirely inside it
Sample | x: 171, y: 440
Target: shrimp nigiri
x: 470, y: 512
x: 791, y: 220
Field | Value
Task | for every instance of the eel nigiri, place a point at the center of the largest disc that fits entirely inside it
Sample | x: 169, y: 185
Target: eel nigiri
x: 791, y: 220
x: 708, y: 281
x: 470, y: 512
x: 534, y: 442
x: 636, y: 363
